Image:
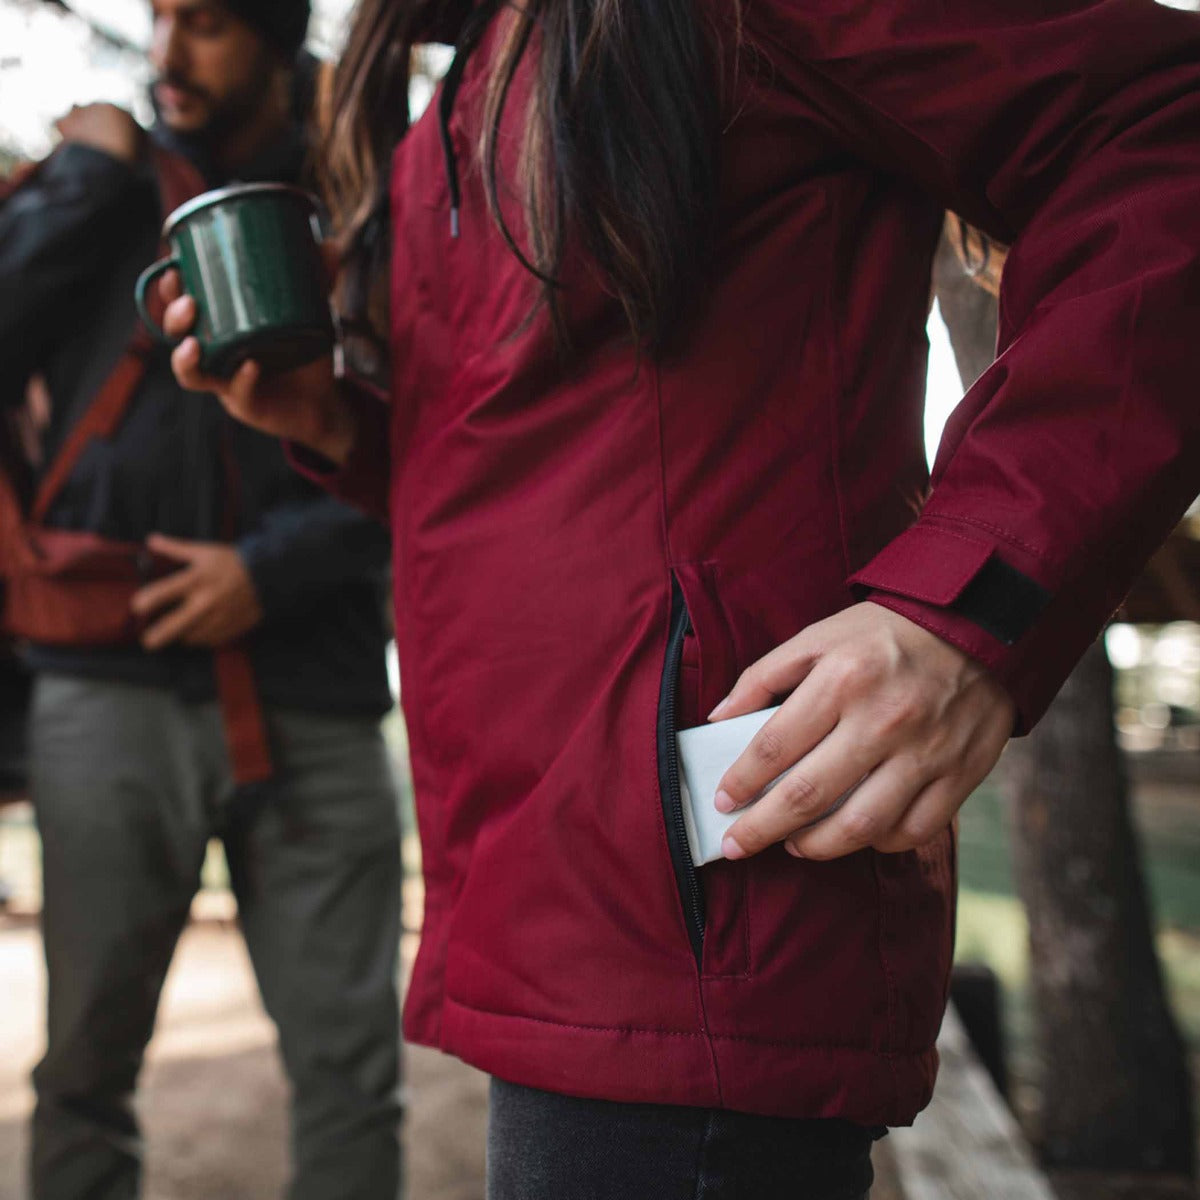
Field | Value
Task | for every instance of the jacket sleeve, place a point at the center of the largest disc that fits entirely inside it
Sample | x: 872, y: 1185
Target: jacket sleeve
x: 303, y: 550
x: 1070, y: 128
x: 57, y: 234
x: 364, y: 479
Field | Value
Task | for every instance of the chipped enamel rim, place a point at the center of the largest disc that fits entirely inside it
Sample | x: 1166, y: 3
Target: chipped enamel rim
x: 208, y: 199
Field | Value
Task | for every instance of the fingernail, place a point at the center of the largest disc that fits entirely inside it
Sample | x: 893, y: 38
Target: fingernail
x: 730, y: 848
x: 716, y: 712
x: 793, y: 849
x: 724, y: 802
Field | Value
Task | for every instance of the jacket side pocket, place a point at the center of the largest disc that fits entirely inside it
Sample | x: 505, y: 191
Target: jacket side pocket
x: 687, y: 879
x: 707, y: 670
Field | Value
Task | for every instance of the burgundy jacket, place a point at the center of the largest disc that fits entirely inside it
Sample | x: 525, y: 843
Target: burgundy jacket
x: 586, y: 559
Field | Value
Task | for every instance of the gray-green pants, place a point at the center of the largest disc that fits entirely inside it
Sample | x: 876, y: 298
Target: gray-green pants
x: 129, y: 783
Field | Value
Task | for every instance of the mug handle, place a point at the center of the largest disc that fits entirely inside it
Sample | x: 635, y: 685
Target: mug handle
x: 145, y: 279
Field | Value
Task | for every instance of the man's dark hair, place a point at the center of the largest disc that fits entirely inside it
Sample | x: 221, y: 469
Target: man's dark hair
x: 282, y: 23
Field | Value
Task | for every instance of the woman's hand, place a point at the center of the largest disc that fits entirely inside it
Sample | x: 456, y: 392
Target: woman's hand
x: 303, y: 405
x: 879, y: 708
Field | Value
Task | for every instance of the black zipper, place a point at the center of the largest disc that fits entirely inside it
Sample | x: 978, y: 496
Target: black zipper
x: 691, y: 894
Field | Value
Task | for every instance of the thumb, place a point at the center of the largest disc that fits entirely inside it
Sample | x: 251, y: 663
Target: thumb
x: 177, y: 548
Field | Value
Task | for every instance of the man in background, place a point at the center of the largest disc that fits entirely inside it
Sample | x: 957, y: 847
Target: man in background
x: 131, y: 764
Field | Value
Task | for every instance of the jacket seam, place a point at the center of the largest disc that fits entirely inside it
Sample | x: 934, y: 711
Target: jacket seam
x: 974, y: 522
x: 724, y: 976
x: 958, y: 537
x: 837, y: 391
x: 698, y: 972
x: 650, y: 1031
x: 746, y: 930
x: 656, y: 374
x: 889, y: 980
x: 853, y: 97
x: 906, y: 589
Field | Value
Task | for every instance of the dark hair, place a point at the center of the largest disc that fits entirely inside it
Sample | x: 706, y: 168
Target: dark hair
x: 283, y: 24
x: 620, y: 143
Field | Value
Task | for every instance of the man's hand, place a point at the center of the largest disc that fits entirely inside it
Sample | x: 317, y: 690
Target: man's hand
x: 210, y: 601
x: 104, y: 127
x: 302, y: 405
x: 879, y: 708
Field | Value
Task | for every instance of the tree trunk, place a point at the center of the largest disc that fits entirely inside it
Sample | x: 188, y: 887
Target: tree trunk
x: 1116, y: 1094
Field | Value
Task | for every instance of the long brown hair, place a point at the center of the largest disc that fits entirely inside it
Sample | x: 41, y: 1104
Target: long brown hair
x: 620, y: 144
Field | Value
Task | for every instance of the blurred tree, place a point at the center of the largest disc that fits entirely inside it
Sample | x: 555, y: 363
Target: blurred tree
x: 98, y: 29
x: 1115, y: 1087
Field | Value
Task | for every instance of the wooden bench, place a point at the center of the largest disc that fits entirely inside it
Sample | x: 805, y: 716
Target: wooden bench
x: 966, y: 1144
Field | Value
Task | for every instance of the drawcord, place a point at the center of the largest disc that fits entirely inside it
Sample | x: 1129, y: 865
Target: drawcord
x: 468, y: 40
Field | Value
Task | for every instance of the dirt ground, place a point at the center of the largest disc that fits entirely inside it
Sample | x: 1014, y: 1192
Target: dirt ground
x: 213, y: 1100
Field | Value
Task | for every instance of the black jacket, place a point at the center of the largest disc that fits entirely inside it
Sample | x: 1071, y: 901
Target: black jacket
x: 72, y: 243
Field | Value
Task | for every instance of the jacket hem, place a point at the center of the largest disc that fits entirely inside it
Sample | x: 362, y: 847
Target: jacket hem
x: 856, y: 1083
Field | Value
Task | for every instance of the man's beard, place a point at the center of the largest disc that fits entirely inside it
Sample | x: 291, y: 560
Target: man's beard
x: 227, y: 114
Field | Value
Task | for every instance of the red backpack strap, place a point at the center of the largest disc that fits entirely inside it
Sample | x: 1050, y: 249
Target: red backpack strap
x: 12, y: 511
x: 99, y: 421
x: 237, y: 689
x: 242, y: 714
x: 178, y: 182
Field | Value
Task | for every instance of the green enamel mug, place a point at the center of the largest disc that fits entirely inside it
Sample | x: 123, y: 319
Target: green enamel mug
x: 249, y: 255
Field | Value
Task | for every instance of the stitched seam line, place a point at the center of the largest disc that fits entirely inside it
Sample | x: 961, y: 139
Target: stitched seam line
x: 902, y: 589
x: 697, y: 978
x: 843, y: 1047
x: 851, y: 98
x: 867, y: 577
x: 975, y: 522
x: 746, y: 923
x: 925, y: 530
x: 888, y: 977
x: 837, y: 392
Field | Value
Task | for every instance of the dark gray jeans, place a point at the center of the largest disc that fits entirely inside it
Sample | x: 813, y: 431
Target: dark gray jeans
x: 128, y: 784
x: 543, y: 1146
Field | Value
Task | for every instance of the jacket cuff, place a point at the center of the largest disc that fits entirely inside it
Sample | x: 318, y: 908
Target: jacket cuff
x: 992, y: 600
x: 362, y: 481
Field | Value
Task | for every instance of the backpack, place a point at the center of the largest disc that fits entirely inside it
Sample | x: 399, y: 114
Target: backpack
x: 73, y: 588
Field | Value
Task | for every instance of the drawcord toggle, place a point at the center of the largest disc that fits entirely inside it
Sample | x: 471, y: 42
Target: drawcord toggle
x: 468, y: 40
